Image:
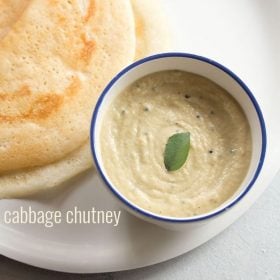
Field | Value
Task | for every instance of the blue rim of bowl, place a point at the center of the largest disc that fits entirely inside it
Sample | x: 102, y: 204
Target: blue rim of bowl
x: 228, y: 72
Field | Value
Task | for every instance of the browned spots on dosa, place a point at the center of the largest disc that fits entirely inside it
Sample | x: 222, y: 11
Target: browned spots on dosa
x: 24, y: 91
x: 53, y: 2
x: 90, y: 11
x: 87, y: 50
x: 40, y: 107
x: 43, y: 106
x: 139, y: 26
x: 62, y: 20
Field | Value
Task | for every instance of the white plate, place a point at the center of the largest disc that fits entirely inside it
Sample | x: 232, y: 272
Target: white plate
x: 242, y: 35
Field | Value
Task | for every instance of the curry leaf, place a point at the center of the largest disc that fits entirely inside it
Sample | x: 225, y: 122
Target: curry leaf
x: 176, y: 151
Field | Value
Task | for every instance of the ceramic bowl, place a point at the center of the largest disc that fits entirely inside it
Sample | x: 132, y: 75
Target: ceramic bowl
x: 211, y: 70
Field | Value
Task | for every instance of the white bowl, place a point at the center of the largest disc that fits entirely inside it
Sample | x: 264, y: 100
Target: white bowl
x: 211, y: 70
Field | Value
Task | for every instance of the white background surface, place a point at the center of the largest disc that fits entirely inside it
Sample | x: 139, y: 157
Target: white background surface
x: 249, y: 250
